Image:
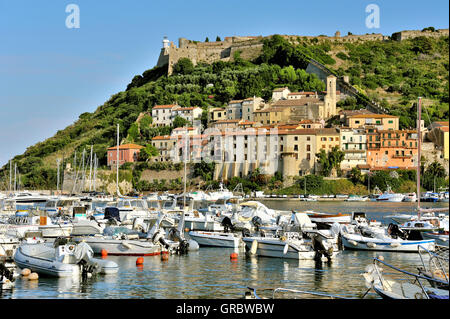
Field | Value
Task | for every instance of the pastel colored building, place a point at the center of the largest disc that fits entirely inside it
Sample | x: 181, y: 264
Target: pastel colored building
x: 391, y: 148
x: 217, y: 114
x: 162, y: 114
x: 354, y: 146
x: 188, y: 113
x: 379, y: 121
x: 128, y: 153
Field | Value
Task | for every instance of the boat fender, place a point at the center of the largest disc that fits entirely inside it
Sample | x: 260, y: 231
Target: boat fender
x: 285, y: 250
x: 395, y: 244
x: 254, y: 247
x: 354, y: 243
x: 371, y: 245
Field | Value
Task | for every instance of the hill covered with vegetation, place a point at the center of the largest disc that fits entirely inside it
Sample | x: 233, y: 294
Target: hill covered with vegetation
x: 394, y: 73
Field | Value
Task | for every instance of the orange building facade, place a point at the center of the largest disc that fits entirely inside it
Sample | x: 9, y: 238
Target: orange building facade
x: 391, y: 148
x: 127, y: 153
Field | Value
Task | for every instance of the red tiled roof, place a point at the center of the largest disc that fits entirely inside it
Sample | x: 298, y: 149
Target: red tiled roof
x: 126, y: 147
x: 372, y: 116
x: 168, y: 106
x: 299, y: 102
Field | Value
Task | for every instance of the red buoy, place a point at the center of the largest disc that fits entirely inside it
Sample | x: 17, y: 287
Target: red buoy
x: 139, y: 261
x: 233, y: 256
x: 104, y: 253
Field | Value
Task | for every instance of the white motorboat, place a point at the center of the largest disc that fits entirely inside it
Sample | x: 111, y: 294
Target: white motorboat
x: 410, y: 197
x: 201, y: 222
x: 130, y: 208
x: 369, y: 238
x: 356, y: 198
x: 441, y: 238
x: 221, y: 193
x: 389, y: 196
x: 292, y: 246
x: 216, y: 239
x: 63, y: 260
x: 121, y: 245
x: 329, y: 218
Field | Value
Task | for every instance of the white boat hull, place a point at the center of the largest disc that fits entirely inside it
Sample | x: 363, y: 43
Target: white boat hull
x: 54, y: 231
x: 440, y: 239
x: 202, y: 225
x: 273, y: 247
x: 29, y: 258
x: 357, y: 242
x: 121, y: 247
x: 215, y: 239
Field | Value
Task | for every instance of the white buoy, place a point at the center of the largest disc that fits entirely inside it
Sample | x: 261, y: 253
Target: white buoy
x: 25, y: 272
x: 33, y: 276
x: 395, y: 244
x: 193, y: 245
x: 371, y: 245
x: 354, y: 243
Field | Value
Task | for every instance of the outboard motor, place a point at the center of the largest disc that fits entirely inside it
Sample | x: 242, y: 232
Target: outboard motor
x: 257, y: 222
x: 227, y: 225
x: 395, y: 232
x: 83, y: 253
x: 321, y: 248
x: 6, y: 273
x: 175, y: 235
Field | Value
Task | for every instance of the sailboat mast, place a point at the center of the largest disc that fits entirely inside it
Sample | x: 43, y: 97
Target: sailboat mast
x: 419, y: 145
x: 15, y: 173
x: 57, y: 174
x: 10, y: 177
x: 95, y: 169
x: 90, y: 170
x: 117, y: 166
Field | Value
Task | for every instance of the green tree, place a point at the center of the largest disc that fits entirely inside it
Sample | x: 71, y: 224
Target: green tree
x: 207, y: 39
x: 183, y: 66
x: 179, y: 121
x: 356, y: 176
x: 148, y: 152
x: 133, y: 133
x: 218, y: 38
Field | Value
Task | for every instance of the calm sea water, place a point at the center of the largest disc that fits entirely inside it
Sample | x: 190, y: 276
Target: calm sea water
x: 209, y: 272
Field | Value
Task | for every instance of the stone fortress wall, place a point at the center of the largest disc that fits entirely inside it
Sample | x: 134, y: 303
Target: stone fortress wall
x: 250, y: 47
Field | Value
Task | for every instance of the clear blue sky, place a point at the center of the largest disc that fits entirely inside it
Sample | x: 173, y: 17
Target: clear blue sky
x: 50, y: 74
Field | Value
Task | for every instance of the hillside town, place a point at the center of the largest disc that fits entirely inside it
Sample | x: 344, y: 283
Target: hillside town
x: 289, y: 130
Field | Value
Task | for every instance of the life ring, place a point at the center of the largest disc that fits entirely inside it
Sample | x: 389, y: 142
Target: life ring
x: 71, y: 247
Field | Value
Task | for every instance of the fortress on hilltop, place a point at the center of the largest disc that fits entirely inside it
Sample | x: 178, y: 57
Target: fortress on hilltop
x: 250, y: 47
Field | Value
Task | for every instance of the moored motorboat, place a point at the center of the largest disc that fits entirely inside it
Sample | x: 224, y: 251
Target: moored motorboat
x: 216, y: 239
x: 61, y: 259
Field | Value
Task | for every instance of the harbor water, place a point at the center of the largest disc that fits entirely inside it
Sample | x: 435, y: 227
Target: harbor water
x: 209, y: 273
